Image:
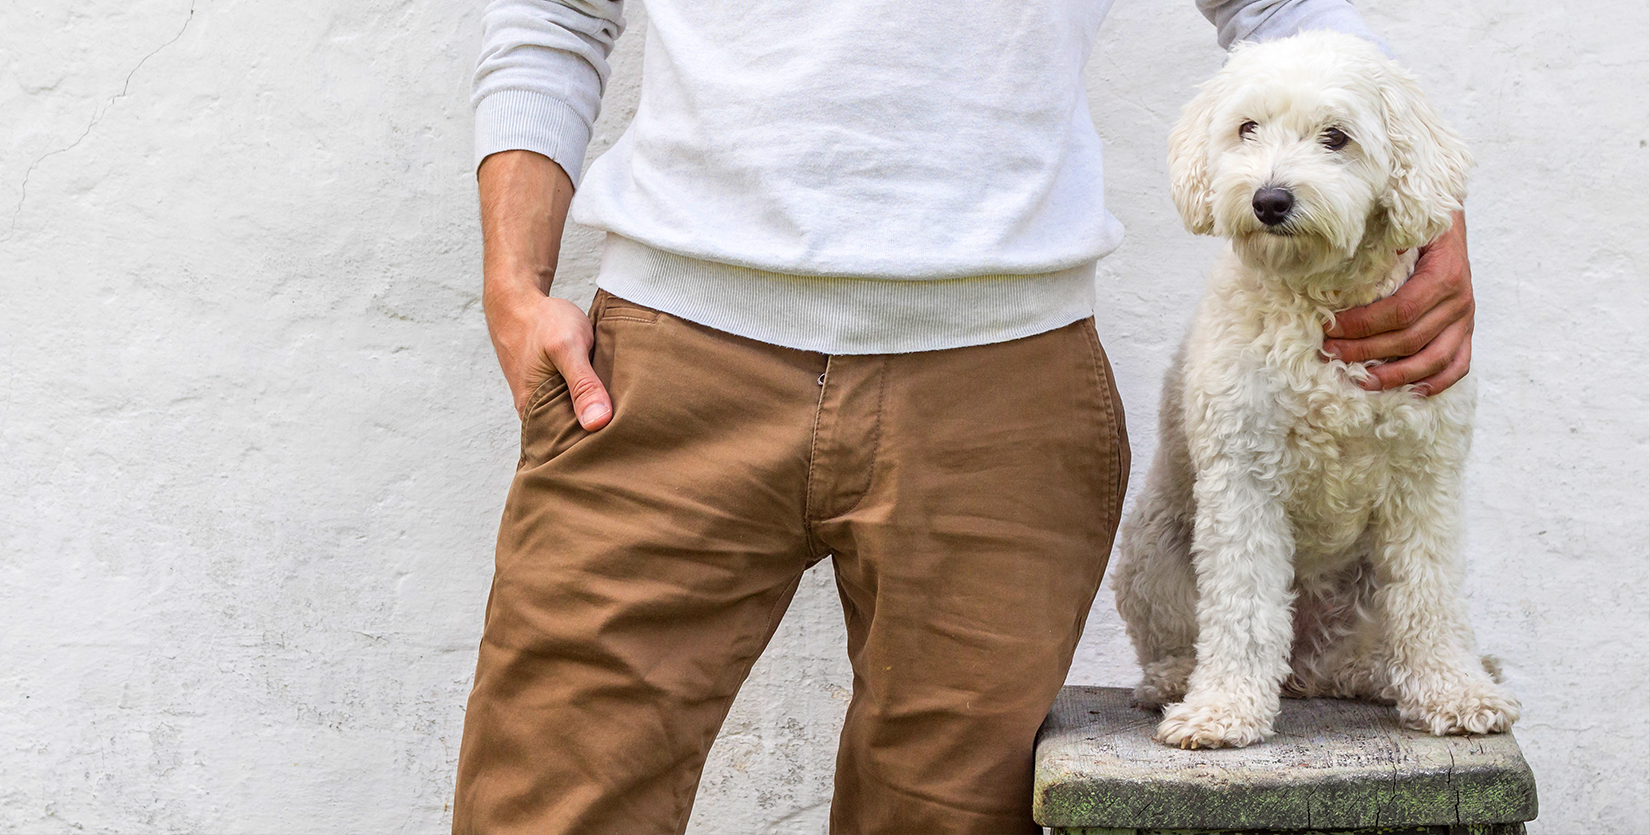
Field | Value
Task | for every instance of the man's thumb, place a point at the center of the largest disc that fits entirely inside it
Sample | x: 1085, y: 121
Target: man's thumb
x: 590, y: 400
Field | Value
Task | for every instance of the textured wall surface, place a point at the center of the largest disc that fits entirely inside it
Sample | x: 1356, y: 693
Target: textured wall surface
x: 253, y: 443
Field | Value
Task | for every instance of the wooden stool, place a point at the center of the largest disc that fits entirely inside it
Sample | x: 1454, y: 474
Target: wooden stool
x: 1334, y: 767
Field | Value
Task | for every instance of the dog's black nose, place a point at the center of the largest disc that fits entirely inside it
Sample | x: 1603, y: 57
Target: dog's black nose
x: 1272, y: 205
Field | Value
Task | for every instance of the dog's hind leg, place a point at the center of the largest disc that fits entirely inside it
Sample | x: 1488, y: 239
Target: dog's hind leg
x: 1156, y: 589
x: 1436, y: 677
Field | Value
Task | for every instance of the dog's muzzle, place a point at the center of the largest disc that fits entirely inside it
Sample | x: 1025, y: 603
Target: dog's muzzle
x: 1273, y: 204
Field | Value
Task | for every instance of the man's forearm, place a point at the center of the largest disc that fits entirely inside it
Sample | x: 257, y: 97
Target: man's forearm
x: 524, y: 198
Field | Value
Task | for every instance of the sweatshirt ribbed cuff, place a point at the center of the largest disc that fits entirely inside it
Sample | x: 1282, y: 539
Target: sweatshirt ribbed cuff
x: 528, y: 120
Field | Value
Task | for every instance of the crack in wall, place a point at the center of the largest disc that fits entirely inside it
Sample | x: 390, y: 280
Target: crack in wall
x: 125, y: 87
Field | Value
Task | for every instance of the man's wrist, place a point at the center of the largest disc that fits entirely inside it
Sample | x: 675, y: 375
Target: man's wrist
x: 513, y: 295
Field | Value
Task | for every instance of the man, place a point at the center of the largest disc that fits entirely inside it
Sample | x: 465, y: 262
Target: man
x: 845, y: 311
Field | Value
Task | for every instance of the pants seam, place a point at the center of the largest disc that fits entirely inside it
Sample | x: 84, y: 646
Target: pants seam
x: 1107, y: 409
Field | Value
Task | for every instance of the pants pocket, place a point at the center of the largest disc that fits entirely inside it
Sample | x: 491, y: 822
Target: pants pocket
x: 548, y: 424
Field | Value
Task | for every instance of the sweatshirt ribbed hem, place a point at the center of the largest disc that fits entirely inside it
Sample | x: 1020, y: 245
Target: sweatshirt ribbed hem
x: 529, y: 120
x: 846, y: 315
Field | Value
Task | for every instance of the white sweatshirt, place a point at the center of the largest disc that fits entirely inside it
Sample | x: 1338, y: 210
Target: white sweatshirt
x: 847, y: 177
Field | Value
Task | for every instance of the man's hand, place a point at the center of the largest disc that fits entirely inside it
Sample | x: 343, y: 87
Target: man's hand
x: 1424, y: 329
x: 552, y: 336
x: 524, y: 199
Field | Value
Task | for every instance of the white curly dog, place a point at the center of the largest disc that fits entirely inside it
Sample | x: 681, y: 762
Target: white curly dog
x: 1297, y: 533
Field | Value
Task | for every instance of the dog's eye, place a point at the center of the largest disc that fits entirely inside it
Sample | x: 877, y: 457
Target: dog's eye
x: 1247, y: 128
x: 1334, y: 139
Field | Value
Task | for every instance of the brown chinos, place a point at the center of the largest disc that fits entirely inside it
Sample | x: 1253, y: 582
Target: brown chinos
x: 967, y: 499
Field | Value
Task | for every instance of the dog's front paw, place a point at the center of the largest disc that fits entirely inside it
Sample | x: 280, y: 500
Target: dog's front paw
x: 1211, y: 724
x: 1478, y: 707
x: 1163, y: 682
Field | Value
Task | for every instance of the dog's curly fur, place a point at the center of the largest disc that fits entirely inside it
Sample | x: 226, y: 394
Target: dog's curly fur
x: 1298, y: 534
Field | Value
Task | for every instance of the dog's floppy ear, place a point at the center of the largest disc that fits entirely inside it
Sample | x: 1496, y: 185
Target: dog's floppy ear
x: 1429, y: 163
x: 1189, y: 162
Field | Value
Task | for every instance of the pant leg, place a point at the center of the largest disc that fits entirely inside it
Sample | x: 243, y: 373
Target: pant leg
x: 967, y: 564
x: 640, y: 571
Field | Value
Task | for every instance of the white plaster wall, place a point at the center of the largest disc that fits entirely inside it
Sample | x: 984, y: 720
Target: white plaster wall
x: 253, y: 444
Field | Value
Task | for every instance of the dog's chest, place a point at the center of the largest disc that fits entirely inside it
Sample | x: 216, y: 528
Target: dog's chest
x: 1332, y: 487
x: 1258, y: 391
x: 1346, y: 452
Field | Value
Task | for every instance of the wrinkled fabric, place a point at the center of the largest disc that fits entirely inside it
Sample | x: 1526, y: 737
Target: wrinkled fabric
x: 965, y: 499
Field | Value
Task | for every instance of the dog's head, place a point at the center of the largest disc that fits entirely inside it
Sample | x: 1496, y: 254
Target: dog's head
x: 1301, y: 148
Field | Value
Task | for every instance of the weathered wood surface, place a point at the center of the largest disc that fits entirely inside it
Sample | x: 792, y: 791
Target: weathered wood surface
x: 1470, y: 829
x: 1334, y: 765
